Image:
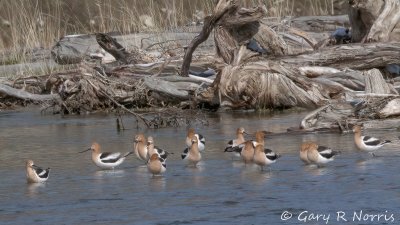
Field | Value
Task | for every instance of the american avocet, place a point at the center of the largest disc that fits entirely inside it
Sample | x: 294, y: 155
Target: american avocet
x: 247, y: 151
x: 264, y: 156
x: 201, y: 140
x: 35, y: 174
x: 367, y: 143
x: 156, y: 165
x: 151, y: 149
x: 320, y: 155
x: 106, y: 160
x: 233, y: 144
x: 140, y: 147
x: 303, y: 151
x: 192, y: 155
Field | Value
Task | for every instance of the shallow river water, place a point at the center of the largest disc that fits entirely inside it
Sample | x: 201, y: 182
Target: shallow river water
x: 354, y: 189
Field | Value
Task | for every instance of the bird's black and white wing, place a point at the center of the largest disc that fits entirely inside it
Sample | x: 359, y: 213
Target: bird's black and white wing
x: 161, y: 153
x: 326, y: 152
x: 42, y: 173
x: 271, y: 155
x: 108, y: 157
x: 185, y: 153
x: 370, y: 141
x: 201, y: 139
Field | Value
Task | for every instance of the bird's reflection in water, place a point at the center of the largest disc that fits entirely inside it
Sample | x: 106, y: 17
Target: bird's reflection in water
x: 33, y: 189
x: 253, y: 174
x: 195, y: 169
x: 109, y: 173
x: 141, y: 171
x: 237, y: 163
x: 365, y: 162
x: 157, y: 183
x: 316, y: 170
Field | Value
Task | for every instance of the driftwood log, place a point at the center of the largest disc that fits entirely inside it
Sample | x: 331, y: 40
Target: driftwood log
x: 22, y: 94
x: 318, y: 23
x: 375, y: 107
x: 72, y: 49
x: 354, y: 56
x: 374, y: 112
x: 110, y: 45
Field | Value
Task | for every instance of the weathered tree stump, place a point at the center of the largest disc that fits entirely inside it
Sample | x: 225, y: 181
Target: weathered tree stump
x: 222, y: 7
x: 374, y: 83
x: 373, y: 20
x: 234, y: 27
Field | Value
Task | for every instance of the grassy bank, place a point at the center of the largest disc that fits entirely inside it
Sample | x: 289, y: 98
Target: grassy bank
x: 27, y: 24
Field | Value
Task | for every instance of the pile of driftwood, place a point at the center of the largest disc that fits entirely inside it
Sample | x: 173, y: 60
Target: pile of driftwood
x: 313, y: 78
x: 325, y: 76
x: 260, y: 63
x: 89, y: 89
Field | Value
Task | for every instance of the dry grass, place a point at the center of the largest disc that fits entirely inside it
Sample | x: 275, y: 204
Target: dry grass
x: 30, y: 24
